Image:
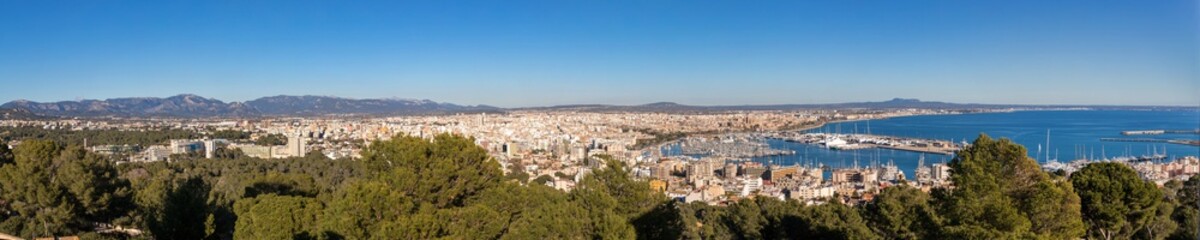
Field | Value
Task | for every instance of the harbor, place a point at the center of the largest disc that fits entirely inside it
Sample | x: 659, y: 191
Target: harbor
x: 729, y: 146
x: 869, y: 141
x: 1028, y: 128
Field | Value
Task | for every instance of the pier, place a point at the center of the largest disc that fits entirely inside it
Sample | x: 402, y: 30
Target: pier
x: 1153, y: 140
x: 1159, y: 132
x: 867, y: 141
x: 930, y: 150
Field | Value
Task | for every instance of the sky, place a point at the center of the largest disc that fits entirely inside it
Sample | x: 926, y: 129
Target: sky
x: 539, y: 53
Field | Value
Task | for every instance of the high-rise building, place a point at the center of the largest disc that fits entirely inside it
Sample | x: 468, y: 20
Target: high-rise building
x: 295, y: 145
x: 210, y: 146
x: 699, y: 170
x: 941, y: 172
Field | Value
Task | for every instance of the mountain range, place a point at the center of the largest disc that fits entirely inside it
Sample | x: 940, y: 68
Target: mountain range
x: 193, y: 106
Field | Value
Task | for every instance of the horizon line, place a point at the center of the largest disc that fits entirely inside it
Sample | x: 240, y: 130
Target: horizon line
x: 619, y: 105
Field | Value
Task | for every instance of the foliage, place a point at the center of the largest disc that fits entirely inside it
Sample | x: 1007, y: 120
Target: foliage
x: 229, y: 134
x: 447, y: 187
x: 632, y: 197
x: 903, y: 213
x: 6, y: 155
x: 659, y: 138
x: 212, y: 187
x: 358, y: 210
x: 1001, y: 193
x: 516, y: 173
x: 832, y: 221
x: 543, y: 179
x: 273, y: 216
x: 67, y: 136
x: 273, y: 139
x: 52, y: 190
x: 443, y: 172
x: 1117, y: 203
x: 610, y: 196
x: 172, y: 207
x: 450, y: 188
x: 288, y: 184
x: 1187, y: 212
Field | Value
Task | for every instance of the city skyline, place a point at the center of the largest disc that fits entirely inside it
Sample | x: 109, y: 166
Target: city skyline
x: 553, y: 53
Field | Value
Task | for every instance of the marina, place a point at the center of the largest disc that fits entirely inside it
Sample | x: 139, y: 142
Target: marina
x: 1067, y: 130
x: 729, y: 146
x: 867, y: 141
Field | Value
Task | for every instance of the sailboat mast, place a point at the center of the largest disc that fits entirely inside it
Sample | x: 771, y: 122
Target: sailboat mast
x: 1047, y: 144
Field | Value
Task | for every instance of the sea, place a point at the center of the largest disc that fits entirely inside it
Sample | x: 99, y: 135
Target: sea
x: 1071, y: 135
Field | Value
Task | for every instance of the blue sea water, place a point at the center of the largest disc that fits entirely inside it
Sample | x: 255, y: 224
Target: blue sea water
x: 1070, y: 132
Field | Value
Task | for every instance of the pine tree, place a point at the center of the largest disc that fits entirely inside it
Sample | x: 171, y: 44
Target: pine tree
x: 1117, y: 203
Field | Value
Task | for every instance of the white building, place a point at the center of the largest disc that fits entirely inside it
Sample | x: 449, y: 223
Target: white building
x: 751, y: 185
x: 812, y: 192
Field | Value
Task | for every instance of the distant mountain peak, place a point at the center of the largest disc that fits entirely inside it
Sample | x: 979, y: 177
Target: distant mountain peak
x: 905, y: 100
x: 662, y: 104
x: 406, y: 99
x: 186, y: 95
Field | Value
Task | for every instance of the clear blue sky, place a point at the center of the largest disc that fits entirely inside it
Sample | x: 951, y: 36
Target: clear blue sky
x: 533, y: 53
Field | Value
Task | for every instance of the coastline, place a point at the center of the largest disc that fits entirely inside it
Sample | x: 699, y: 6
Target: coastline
x: 819, y: 125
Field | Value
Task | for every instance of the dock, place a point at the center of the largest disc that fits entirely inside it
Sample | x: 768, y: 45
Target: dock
x: 1153, y: 140
x: 866, y: 141
x: 930, y: 150
x: 1159, y: 132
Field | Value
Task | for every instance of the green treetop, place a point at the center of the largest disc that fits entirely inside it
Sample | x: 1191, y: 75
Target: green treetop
x: 1117, y: 203
x: 1001, y: 193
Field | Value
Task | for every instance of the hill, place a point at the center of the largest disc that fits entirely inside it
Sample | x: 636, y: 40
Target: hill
x: 192, y: 106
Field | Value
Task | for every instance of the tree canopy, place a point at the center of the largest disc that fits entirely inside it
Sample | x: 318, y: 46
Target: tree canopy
x: 1117, y: 203
x: 1001, y: 193
x: 448, y: 187
x: 903, y: 213
x: 49, y: 189
x: 1187, y: 213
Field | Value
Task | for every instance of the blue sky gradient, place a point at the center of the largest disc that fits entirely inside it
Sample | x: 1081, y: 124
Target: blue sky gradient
x: 536, y: 53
